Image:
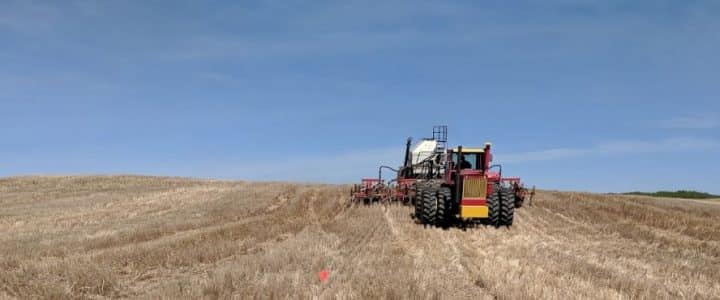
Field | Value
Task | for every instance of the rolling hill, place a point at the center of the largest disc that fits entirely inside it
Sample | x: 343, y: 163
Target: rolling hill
x: 149, y: 237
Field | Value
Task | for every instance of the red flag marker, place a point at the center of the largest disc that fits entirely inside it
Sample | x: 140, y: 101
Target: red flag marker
x: 323, y: 275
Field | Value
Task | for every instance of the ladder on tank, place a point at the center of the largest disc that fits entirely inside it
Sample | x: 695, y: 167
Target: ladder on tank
x: 440, y: 136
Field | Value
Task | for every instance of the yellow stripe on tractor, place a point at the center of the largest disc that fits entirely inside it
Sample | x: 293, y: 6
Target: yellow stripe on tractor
x: 473, y: 211
x: 474, y: 194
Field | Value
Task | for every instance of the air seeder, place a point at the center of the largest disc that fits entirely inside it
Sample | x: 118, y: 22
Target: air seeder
x: 447, y: 185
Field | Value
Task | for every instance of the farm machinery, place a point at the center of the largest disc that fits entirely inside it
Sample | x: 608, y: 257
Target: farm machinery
x: 447, y: 184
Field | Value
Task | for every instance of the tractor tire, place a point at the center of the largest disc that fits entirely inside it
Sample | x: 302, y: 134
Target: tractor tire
x: 418, y: 203
x: 493, y: 203
x: 430, y: 205
x: 507, y: 206
x: 445, y: 207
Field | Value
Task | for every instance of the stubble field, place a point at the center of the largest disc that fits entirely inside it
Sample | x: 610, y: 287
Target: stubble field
x: 148, y: 237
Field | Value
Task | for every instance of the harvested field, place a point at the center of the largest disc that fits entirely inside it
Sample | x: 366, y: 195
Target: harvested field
x: 168, y: 238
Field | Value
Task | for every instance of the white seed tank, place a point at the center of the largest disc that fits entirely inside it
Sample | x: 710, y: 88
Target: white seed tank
x: 421, y: 151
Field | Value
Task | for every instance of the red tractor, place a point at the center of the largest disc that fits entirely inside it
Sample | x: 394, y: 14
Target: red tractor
x: 449, y: 185
x: 467, y: 190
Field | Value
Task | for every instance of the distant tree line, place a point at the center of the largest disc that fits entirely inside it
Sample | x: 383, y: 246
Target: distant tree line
x: 677, y: 194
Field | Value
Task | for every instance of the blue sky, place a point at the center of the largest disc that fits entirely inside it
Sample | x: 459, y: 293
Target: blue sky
x: 576, y: 95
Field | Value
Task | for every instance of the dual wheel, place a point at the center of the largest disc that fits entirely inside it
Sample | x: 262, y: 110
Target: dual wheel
x: 435, y: 206
x: 501, y: 206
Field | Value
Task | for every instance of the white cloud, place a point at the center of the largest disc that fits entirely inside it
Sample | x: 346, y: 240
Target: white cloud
x: 338, y: 168
x: 87, y: 7
x: 225, y: 46
x: 26, y: 16
x: 351, y: 166
x: 613, y: 148
x: 695, y: 121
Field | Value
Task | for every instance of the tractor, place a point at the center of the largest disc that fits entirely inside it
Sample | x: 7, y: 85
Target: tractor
x: 467, y: 190
x: 449, y: 185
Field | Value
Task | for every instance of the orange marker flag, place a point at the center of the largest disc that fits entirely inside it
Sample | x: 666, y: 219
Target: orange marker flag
x: 323, y: 275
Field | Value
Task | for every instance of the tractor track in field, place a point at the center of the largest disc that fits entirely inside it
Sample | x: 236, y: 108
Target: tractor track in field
x: 429, y: 254
x: 138, y: 237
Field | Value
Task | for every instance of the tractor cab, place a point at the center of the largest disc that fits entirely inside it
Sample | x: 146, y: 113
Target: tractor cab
x: 467, y: 174
x: 471, y: 158
x: 468, y: 161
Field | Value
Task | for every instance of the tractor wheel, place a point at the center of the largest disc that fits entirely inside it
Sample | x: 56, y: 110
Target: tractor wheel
x: 493, y: 203
x: 445, y: 206
x: 430, y: 205
x: 417, y: 201
x: 507, y: 206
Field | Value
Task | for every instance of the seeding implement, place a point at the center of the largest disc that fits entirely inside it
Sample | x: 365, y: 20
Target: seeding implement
x: 447, y: 185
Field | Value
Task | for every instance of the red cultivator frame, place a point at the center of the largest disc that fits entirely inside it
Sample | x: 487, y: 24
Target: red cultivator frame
x: 404, y: 191
x: 375, y: 190
x: 370, y: 190
x: 519, y: 190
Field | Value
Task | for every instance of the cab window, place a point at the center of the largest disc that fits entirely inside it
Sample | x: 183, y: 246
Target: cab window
x: 471, y: 158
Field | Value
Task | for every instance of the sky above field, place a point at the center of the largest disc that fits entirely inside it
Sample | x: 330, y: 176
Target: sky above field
x: 575, y: 95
